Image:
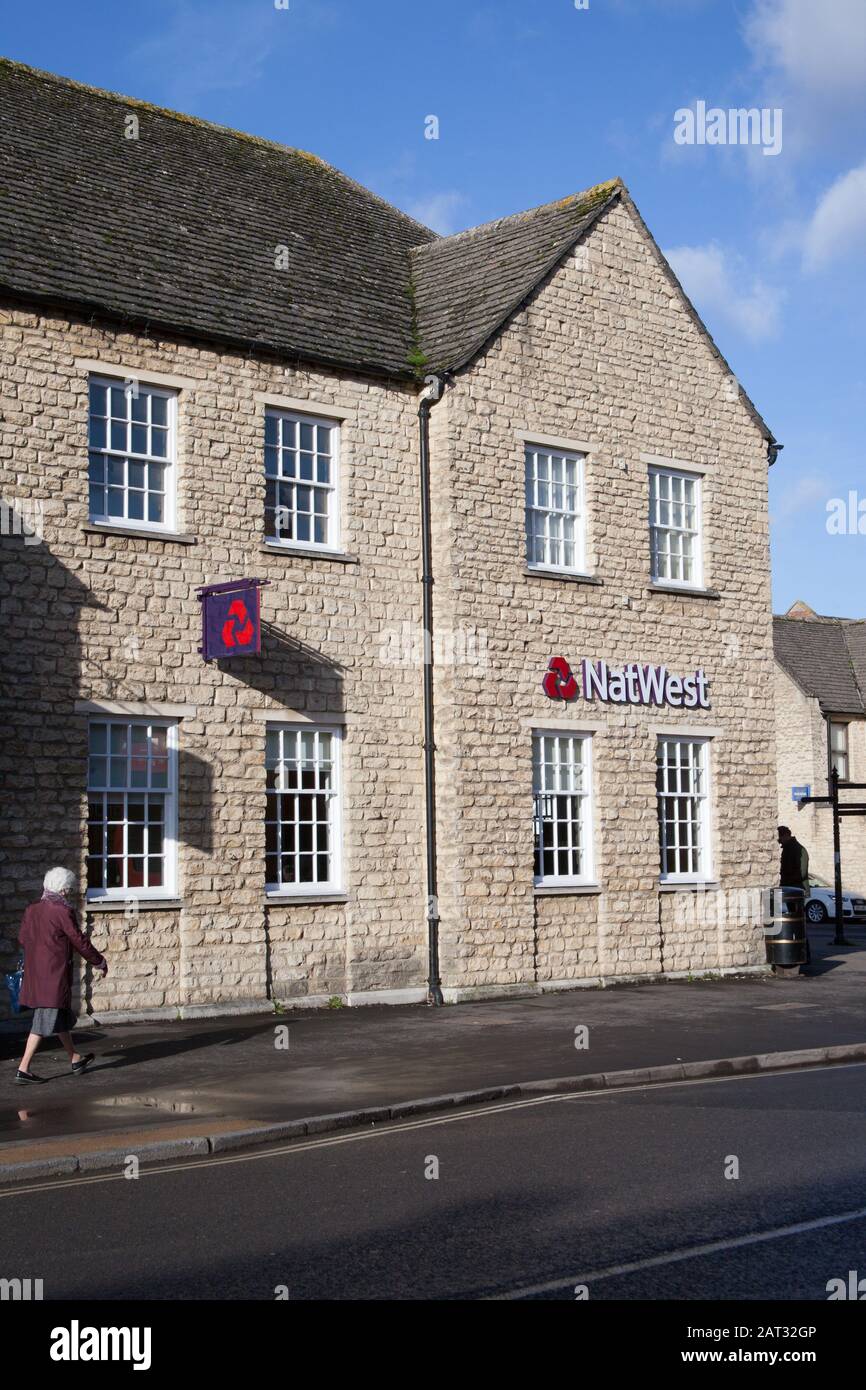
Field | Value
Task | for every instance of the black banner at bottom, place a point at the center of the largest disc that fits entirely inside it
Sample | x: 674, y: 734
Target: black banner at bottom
x: 224, y: 1339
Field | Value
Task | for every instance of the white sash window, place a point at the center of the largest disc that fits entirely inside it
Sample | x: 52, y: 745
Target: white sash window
x: 562, y: 788
x: 132, y: 809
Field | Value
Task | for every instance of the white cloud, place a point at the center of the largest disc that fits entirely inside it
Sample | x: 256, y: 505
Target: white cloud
x: 818, y: 45
x: 802, y: 495
x: 719, y: 285
x: 207, y: 48
x: 812, y: 58
x: 439, y: 211
x: 838, y: 224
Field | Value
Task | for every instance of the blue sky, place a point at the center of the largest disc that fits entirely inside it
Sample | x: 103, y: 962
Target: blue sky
x: 536, y: 99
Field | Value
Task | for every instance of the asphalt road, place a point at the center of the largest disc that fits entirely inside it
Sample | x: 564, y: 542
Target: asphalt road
x: 620, y: 1193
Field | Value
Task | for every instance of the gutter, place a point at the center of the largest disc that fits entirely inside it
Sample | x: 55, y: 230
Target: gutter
x: 432, y: 392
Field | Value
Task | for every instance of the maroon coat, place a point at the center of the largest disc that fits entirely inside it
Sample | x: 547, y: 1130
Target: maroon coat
x: 49, y: 934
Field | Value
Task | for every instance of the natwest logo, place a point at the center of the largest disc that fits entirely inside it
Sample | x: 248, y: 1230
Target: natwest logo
x: 231, y: 623
x: 559, y: 682
x: 632, y: 684
x: 238, y: 628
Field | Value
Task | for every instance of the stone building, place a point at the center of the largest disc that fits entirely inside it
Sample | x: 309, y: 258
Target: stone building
x: 223, y: 360
x: 820, y: 724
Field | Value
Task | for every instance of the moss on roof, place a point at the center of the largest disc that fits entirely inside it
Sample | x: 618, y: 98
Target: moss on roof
x: 180, y: 228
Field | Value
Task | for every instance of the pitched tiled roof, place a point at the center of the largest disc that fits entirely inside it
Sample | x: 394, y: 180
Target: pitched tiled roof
x: 467, y: 285
x: 827, y: 659
x: 181, y: 227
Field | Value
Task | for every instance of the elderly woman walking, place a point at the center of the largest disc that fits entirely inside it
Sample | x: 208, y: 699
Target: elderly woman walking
x: 49, y: 934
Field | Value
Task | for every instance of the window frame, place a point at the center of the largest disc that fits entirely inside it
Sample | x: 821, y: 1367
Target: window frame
x: 834, y: 754
x: 170, y: 395
x: 334, y: 883
x: 568, y: 455
x: 169, y: 889
x: 586, y: 821
x: 704, y: 873
x: 334, y: 514
x: 698, y: 581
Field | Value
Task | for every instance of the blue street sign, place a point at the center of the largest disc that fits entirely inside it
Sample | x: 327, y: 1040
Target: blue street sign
x: 800, y: 793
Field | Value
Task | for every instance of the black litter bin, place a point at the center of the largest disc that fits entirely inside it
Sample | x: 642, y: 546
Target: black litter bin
x: 785, y: 927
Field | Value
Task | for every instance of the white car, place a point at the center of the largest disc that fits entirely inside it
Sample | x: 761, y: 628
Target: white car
x: 821, y: 904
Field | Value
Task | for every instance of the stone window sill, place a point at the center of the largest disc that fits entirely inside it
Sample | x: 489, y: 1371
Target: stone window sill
x: 568, y: 890
x: 682, y: 592
x: 565, y: 575
x: 307, y: 899
x: 300, y: 552
x: 702, y: 887
x: 98, y: 528
x: 134, y: 905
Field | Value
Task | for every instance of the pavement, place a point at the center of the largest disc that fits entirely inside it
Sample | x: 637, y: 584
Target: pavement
x: 193, y: 1088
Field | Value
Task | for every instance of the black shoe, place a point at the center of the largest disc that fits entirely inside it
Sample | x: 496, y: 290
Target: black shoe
x: 83, y: 1063
x: 26, y: 1078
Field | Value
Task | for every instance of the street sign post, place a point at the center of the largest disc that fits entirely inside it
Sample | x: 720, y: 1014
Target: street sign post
x: 851, y: 808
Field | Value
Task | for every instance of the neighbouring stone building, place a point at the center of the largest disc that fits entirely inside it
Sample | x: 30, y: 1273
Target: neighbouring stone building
x: 820, y: 724
x: 213, y: 353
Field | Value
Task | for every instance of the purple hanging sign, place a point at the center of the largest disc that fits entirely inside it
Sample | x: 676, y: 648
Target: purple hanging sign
x: 231, y: 622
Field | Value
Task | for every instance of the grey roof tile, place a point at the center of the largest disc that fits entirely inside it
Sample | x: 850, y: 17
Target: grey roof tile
x: 180, y: 228
x: 467, y: 285
x: 827, y: 659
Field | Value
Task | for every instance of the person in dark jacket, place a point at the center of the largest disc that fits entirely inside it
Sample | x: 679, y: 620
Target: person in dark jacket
x: 794, y: 870
x: 49, y: 935
x: 794, y: 865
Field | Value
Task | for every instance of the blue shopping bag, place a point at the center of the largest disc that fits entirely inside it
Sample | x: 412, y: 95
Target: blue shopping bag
x: 13, y: 984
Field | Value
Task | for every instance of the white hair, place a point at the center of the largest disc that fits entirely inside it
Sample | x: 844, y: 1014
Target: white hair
x: 58, y: 881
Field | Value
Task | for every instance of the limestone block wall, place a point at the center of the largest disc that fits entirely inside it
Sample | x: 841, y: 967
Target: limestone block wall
x: 854, y: 828
x: 102, y: 617
x: 605, y: 354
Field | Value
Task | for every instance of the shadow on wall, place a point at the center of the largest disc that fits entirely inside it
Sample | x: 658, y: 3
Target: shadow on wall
x: 292, y: 673
x: 42, y: 751
x: 289, y: 672
x: 195, y: 782
x: 43, y: 754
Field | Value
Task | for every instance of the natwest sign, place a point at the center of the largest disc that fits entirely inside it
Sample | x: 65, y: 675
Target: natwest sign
x: 632, y: 684
x: 231, y: 618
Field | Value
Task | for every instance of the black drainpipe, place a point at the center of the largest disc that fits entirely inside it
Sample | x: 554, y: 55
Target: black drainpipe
x: 432, y: 392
